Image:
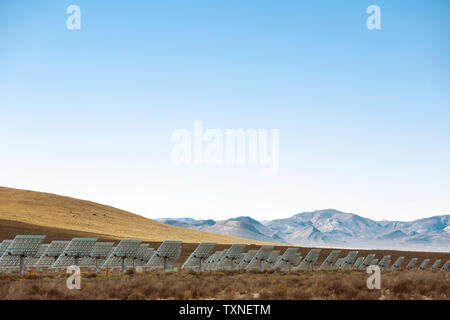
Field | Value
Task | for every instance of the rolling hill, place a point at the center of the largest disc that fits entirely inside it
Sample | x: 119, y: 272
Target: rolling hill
x: 23, y: 211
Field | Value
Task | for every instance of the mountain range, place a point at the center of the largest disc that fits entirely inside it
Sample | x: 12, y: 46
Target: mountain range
x: 332, y: 228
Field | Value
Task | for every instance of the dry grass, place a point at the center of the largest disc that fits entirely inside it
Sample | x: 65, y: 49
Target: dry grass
x: 64, y: 213
x: 230, y: 285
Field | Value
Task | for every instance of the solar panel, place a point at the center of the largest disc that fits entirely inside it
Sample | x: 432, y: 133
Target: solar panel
x: 424, y: 264
x: 436, y: 264
x: 446, y: 266
x: 328, y: 263
x: 116, y: 262
x: 101, y: 249
x: 238, y: 260
x: 398, y: 263
x: 246, y: 259
x: 147, y: 255
x: 310, y: 260
x: 30, y: 261
x: 51, y: 254
x: 97, y: 256
x: 77, y: 247
x: 385, y: 262
x: 56, y: 248
x: 212, y: 260
x: 25, y: 245
x: 127, y: 248
x: 285, y: 262
x: 4, y: 245
x: 412, y: 263
x: 196, y: 260
x: 338, y: 263
x: 367, y: 261
x: 258, y: 260
x: 272, y: 259
x: 349, y: 260
x: 22, y: 246
x: 139, y: 255
x: 374, y: 262
x: 166, y: 255
x: 219, y: 260
x: 295, y: 261
x: 358, y: 263
x: 234, y: 252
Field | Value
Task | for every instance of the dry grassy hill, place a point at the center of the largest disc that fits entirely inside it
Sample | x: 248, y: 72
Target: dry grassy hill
x: 24, y: 211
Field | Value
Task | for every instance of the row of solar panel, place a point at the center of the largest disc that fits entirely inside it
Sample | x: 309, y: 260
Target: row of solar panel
x: 27, y: 251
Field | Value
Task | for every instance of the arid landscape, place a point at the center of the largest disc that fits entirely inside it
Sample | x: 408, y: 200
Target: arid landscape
x: 62, y: 218
x: 229, y: 285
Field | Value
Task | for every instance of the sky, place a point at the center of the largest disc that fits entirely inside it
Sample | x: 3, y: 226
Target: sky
x: 363, y: 115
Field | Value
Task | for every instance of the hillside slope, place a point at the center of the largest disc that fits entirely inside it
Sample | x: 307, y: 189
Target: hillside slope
x: 54, y: 211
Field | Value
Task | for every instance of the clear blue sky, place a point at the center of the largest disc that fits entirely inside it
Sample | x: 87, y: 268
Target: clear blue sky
x: 364, y: 116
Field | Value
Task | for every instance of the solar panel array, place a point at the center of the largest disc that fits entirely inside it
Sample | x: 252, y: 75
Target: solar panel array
x: 27, y: 251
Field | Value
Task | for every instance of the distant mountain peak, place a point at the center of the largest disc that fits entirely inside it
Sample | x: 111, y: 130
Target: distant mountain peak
x: 331, y: 226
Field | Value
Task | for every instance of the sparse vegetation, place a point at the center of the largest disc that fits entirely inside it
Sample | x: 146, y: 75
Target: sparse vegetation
x: 228, y: 285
